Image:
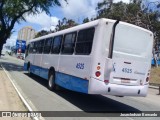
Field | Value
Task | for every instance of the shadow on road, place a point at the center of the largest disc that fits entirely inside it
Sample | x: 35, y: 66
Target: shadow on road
x: 89, y: 103
x: 11, y: 66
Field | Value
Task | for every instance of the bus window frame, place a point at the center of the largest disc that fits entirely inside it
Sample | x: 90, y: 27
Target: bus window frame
x: 44, y: 45
x: 62, y: 48
x: 85, y: 41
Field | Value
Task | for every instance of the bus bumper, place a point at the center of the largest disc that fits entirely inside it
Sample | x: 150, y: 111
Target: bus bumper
x: 99, y: 87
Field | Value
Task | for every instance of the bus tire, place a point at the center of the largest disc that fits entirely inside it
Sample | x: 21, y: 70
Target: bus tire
x: 51, y: 81
x: 29, y: 69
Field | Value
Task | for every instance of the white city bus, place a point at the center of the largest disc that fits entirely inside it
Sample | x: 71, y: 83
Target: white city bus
x: 104, y: 56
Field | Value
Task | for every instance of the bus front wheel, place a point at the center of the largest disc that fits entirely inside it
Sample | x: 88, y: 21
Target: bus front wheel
x: 29, y: 70
x: 51, y: 81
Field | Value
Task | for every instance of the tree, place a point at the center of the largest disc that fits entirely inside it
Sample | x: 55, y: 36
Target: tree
x: 86, y: 20
x: 64, y: 24
x: 131, y: 13
x: 12, y: 11
x: 135, y: 13
x: 42, y: 33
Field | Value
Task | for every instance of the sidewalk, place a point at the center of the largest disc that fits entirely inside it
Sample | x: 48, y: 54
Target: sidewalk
x: 9, y: 99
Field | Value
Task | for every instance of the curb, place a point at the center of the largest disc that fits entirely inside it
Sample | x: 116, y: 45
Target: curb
x: 153, y: 87
x: 20, y: 95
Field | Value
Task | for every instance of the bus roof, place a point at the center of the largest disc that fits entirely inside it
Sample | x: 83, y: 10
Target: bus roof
x: 86, y: 25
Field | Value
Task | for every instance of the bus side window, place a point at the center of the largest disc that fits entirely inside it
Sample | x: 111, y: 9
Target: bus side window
x: 47, y: 46
x: 68, y: 43
x: 31, y: 48
x: 40, y: 46
x: 84, y: 41
x: 35, y: 47
x: 56, y: 44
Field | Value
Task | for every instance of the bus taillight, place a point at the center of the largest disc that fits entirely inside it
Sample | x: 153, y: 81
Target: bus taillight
x: 148, y: 75
x: 106, y: 81
x: 98, y: 73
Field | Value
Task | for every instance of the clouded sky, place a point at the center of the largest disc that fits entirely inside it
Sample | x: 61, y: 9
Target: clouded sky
x: 76, y: 9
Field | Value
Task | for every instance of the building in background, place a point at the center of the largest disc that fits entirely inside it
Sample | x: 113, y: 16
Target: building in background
x: 26, y: 33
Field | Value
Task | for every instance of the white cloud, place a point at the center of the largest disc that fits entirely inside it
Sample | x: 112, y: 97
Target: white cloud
x: 54, y: 22
x: 75, y: 9
x: 126, y: 1
x: 78, y: 9
x: 45, y: 21
x: 12, y: 40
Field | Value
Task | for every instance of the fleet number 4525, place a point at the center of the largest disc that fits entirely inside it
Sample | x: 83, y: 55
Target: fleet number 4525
x: 127, y: 70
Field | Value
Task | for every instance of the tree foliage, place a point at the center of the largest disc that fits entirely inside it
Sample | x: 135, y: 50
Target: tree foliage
x: 131, y: 13
x: 86, y: 20
x: 62, y: 24
x: 42, y: 33
x: 12, y: 11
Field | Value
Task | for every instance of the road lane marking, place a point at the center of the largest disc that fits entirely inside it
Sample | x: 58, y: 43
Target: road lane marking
x: 20, y: 95
x: 23, y: 99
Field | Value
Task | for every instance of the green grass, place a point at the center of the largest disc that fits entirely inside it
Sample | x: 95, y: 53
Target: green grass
x: 155, y: 76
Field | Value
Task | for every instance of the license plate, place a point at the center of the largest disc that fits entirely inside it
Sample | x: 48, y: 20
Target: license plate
x: 125, y: 81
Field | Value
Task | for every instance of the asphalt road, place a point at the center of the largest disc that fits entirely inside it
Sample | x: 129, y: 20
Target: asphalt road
x: 34, y: 89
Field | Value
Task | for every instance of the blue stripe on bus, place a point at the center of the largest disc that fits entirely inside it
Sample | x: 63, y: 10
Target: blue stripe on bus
x: 67, y: 81
x: 35, y: 69
x: 71, y: 82
x: 25, y: 67
x: 44, y: 73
